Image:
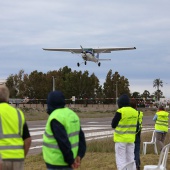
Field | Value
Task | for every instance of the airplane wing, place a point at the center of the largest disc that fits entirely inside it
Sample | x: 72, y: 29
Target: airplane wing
x: 95, y: 50
x: 71, y: 50
x: 109, y: 50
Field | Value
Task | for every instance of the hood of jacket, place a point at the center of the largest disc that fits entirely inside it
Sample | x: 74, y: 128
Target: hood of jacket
x: 55, y: 100
x: 123, y: 101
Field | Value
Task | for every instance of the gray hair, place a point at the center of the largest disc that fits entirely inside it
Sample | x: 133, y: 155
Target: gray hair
x: 4, y: 93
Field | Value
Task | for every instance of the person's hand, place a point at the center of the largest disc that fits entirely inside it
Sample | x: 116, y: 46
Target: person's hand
x: 76, y: 163
x: 78, y: 160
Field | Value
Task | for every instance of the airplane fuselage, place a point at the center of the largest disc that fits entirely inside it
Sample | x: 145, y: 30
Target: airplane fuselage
x: 88, y: 55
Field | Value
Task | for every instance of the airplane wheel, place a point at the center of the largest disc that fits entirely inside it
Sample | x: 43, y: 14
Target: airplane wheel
x: 85, y: 62
x: 78, y: 64
x: 99, y: 64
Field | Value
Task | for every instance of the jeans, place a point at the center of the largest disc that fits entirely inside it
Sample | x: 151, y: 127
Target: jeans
x: 160, y: 139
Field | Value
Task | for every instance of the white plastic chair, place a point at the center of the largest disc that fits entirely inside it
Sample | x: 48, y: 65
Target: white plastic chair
x: 153, y: 142
x: 129, y: 166
x: 162, y: 160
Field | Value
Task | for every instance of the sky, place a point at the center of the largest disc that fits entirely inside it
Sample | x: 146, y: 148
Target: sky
x: 28, y: 26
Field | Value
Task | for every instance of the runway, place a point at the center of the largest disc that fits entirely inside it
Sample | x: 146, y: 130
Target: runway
x: 94, y: 129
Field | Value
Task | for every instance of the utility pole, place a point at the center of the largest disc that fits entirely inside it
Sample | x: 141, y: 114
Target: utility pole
x: 53, y: 83
x: 116, y: 93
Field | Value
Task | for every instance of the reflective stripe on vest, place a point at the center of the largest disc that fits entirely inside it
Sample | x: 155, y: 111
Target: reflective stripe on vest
x: 11, y: 143
x: 57, y: 147
x: 69, y: 135
x: 126, y: 129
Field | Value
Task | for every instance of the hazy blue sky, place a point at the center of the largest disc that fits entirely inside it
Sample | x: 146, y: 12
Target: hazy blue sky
x: 28, y: 26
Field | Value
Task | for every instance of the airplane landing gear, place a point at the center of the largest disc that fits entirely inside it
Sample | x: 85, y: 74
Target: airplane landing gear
x: 99, y: 64
x: 78, y: 64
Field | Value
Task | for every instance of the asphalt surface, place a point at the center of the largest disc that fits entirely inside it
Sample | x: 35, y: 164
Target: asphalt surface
x: 94, y: 128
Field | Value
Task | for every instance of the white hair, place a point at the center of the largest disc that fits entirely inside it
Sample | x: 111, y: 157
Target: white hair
x: 4, y: 93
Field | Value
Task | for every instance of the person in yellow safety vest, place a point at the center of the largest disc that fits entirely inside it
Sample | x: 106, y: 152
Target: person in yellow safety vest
x: 125, y: 125
x: 15, y: 138
x: 133, y: 103
x: 161, y: 119
x: 63, y: 140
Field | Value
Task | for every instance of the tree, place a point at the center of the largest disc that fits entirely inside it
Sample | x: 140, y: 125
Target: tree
x: 123, y: 86
x: 108, y: 86
x: 10, y: 85
x: 115, y: 85
x: 15, y: 84
x: 37, y: 85
x: 136, y: 95
x: 157, y: 83
x: 158, y: 94
x: 146, y: 94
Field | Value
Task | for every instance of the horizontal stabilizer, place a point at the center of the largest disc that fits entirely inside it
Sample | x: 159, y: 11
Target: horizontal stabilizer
x: 104, y: 59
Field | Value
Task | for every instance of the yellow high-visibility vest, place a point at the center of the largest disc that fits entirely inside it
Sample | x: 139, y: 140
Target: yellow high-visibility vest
x: 140, y: 119
x: 51, y: 151
x: 126, y: 129
x: 162, y: 121
x: 11, y: 130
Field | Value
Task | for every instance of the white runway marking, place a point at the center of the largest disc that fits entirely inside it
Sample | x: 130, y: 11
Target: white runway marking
x: 98, y: 132
x: 42, y: 128
x: 37, y: 133
x: 93, y: 122
x: 95, y: 128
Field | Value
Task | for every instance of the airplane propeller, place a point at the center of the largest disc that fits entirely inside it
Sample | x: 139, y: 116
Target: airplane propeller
x: 84, y: 52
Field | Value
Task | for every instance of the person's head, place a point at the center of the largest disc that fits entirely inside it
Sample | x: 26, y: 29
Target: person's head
x: 55, y: 100
x: 161, y: 107
x: 133, y: 103
x: 4, y: 93
x: 123, y: 101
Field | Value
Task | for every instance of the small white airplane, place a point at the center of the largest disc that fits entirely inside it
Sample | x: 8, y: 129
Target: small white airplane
x: 88, y: 54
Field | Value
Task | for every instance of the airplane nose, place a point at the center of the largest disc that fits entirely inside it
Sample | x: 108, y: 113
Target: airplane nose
x: 84, y: 52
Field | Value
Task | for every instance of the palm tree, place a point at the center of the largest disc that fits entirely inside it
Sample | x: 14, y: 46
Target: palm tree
x: 158, y: 83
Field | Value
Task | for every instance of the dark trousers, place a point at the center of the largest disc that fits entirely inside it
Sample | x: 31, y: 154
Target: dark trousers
x: 137, y: 154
